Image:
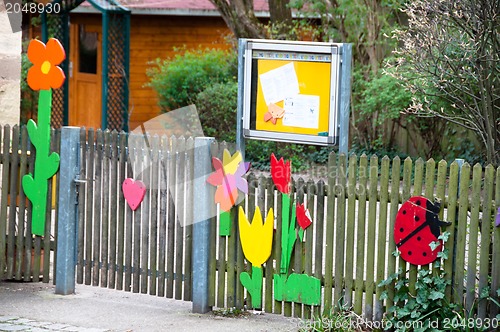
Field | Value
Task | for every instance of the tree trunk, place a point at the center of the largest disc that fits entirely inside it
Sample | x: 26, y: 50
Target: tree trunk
x: 281, y: 17
x: 240, y: 18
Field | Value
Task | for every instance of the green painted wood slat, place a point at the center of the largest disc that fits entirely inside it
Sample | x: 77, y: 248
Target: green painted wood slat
x: 330, y: 217
x: 382, y: 238
x: 361, y: 234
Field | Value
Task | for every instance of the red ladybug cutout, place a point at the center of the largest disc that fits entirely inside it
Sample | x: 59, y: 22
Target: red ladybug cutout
x: 416, y: 226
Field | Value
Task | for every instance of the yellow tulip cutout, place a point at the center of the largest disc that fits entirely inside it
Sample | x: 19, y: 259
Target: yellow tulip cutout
x: 257, y: 242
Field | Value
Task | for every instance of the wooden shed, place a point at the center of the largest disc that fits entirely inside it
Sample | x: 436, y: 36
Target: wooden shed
x: 155, y: 29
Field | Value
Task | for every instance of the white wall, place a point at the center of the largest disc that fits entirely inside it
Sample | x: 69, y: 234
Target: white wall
x: 10, y: 70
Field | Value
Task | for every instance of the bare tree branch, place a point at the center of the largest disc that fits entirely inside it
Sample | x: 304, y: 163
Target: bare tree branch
x: 451, y: 52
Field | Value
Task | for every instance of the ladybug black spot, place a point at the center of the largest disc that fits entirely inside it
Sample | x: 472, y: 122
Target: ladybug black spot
x: 409, y: 253
x: 417, y: 218
x: 424, y: 254
x: 419, y: 238
x: 401, y: 229
x: 418, y: 202
x: 404, y: 211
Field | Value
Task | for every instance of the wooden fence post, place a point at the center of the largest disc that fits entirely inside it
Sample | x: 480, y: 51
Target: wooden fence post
x: 202, y: 200
x: 68, y: 211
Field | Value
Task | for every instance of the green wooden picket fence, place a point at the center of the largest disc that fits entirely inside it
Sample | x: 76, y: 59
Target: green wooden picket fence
x: 349, y: 246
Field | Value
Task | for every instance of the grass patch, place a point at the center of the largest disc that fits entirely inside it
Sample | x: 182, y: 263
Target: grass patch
x: 231, y: 312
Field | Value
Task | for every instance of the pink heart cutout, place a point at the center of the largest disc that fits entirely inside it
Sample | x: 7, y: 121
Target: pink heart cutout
x: 134, y: 192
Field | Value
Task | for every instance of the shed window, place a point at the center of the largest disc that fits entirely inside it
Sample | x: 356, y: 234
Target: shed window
x: 87, y: 51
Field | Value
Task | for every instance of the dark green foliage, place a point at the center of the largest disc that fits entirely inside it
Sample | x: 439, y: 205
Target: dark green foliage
x: 380, y: 152
x: 217, y: 110
x: 301, y: 156
x: 383, y: 92
x: 29, y: 97
x: 320, y: 156
x: 427, y: 308
x: 461, y: 146
x: 179, y: 80
x: 379, y: 99
x: 259, y: 153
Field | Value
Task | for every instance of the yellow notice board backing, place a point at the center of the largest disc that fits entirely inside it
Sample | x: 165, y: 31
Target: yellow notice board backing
x: 312, y: 116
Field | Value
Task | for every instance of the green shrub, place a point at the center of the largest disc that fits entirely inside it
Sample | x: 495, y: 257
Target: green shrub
x: 217, y: 110
x: 29, y: 97
x: 179, y: 80
x: 259, y: 153
x: 302, y: 156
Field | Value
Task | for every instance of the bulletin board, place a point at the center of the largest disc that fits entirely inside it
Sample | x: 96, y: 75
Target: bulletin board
x: 291, y: 91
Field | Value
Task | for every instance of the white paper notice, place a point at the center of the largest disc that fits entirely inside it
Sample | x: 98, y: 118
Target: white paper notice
x: 279, y: 83
x: 302, y: 111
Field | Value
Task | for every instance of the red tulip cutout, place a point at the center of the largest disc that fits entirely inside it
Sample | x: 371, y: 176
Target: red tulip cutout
x: 303, y: 218
x: 281, y: 173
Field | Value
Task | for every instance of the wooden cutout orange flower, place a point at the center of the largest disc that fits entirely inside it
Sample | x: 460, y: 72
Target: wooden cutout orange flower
x: 228, y: 178
x: 45, y: 72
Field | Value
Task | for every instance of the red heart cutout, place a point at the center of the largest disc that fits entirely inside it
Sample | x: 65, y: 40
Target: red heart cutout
x: 134, y: 192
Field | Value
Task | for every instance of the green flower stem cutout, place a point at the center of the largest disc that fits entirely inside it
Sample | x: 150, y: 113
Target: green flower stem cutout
x: 299, y: 288
x: 225, y: 223
x: 46, y: 163
x: 288, y: 233
x: 253, y: 284
x: 256, y: 241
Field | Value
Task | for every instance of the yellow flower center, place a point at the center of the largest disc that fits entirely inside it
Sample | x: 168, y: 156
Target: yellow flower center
x: 46, y: 67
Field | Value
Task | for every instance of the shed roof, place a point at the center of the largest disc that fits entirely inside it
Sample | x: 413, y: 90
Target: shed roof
x: 174, y: 7
x: 259, y: 5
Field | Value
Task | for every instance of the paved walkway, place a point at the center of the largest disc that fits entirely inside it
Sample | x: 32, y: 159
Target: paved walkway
x: 11, y: 323
x: 36, y: 307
